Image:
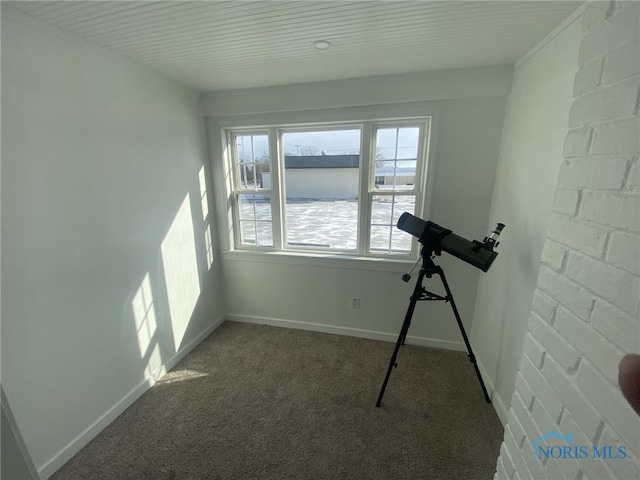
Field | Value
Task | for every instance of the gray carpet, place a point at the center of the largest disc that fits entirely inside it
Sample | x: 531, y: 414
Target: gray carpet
x: 259, y: 402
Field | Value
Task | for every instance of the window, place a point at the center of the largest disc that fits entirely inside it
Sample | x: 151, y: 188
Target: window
x: 321, y: 188
x: 396, y: 161
x: 254, y: 223
x: 328, y: 188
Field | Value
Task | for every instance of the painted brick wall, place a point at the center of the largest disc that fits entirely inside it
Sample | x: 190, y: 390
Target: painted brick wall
x: 586, y: 312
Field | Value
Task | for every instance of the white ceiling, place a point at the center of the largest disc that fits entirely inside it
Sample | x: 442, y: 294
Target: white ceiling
x: 215, y: 45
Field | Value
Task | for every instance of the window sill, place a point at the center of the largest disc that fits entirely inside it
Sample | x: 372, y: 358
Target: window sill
x: 328, y: 260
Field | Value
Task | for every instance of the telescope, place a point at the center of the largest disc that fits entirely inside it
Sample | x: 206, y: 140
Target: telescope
x: 437, y: 239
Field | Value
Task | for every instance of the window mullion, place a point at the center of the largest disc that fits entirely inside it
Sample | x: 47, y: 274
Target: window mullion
x: 393, y: 207
x: 277, y: 210
x: 395, y: 159
x: 364, y: 195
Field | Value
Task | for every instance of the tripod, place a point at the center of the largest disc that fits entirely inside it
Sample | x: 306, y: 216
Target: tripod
x: 428, y: 269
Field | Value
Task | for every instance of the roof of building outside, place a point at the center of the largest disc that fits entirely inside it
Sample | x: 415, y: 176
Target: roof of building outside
x: 342, y: 161
x: 322, y: 161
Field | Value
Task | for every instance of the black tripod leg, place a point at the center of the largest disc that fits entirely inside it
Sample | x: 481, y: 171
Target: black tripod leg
x: 417, y: 292
x: 464, y: 334
x: 403, y: 333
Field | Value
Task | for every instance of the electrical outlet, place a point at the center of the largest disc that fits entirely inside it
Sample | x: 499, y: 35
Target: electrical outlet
x: 355, y: 303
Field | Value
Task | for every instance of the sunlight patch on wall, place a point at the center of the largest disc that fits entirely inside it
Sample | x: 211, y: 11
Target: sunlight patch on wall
x: 228, y: 184
x: 181, y: 271
x: 203, y: 194
x: 209, y: 245
x: 204, y: 199
x: 146, y: 326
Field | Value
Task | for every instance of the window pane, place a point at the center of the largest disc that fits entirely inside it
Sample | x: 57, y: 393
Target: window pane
x: 321, y: 184
x: 396, y: 158
x: 254, y: 212
x: 380, y: 239
x: 252, y: 161
x: 400, y: 242
x: 408, y: 142
x: 248, y: 233
x: 385, y: 212
x: 265, y: 234
x: 319, y: 223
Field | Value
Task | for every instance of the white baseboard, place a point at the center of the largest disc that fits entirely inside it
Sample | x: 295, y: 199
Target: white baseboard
x: 501, y: 409
x: 347, y: 331
x: 496, y: 400
x: 64, y: 455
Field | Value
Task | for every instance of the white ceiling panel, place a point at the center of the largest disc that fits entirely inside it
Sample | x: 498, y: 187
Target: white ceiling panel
x: 215, y: 45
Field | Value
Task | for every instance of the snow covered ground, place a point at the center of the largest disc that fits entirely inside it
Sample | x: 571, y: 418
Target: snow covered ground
x: 333, y: 224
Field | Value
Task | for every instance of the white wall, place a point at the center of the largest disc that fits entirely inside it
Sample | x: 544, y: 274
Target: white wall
x: 314, y: 292
x: 104, y: 235
x: 585, y: 311
x: 531, y: 153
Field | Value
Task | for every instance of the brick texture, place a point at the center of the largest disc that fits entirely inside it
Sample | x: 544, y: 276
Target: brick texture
x: 596, y: 173
x: 586, y: 308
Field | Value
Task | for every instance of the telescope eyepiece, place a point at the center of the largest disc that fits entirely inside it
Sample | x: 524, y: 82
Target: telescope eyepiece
x: 491, y: 240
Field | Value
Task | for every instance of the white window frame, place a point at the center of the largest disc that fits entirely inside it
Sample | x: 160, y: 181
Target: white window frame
x: 317, y: 128
x: 238, y: 190
x: 365, y: 118
x: 419, y: 186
